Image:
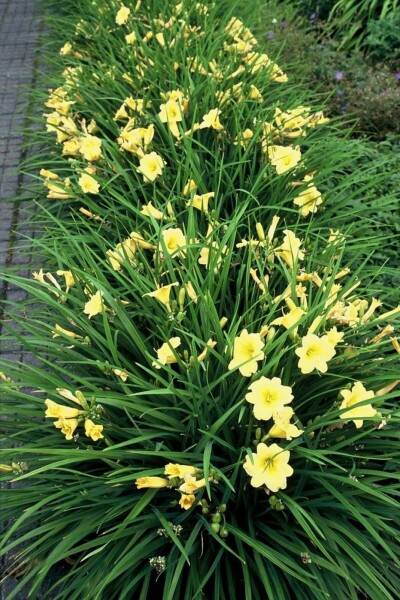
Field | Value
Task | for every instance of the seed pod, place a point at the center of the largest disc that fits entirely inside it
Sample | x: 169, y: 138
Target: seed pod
x: 216, y: 518
x: 215, y: 527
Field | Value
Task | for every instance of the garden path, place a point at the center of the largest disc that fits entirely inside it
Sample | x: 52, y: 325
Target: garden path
x: 20, y: 27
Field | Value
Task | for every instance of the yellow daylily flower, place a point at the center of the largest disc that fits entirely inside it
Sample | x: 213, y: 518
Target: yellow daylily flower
x: 187, y: 501
x: 125, y: 250
x: 151, y: 166
x: 308, y: 200
x: 90, y: 147
x: 151, y: 482
x: 61, y: 412
x: 211, y: 120
x: 200, y: 201
x: 122, y: 15
x: 67, y: 427
x: 151, y: 211
x: 131, y: 38
x: 268, y: 396
x: 290, y: 319
x: 94, y: 305
x: 174, y: 240
x: 290, y: 251
x: 247, y: 351
x: 88, y: 184
x: 315, y: 352
x: 176, y: 470
x: 69, y: 278
x: 269, y: 466
x: 93, y: 431
x: 283, y: 158
x: 162, y: 294
x: 191, y: 186
x: 165, y: 354
x: 282, y: 427
x: 354, y: 401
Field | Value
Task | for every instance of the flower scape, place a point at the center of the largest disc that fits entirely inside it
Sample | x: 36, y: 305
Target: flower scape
x: 217, y: 392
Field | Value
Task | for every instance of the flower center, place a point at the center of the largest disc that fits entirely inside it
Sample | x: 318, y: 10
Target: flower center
x: 249, y: 350
x: 311, y: 351
x: 269, y: 397
x: 267, y: 463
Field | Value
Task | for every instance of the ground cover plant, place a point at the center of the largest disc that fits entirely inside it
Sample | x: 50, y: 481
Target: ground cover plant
x: 215, y: 412
x: 365, y: 93
x: 350, y: 20
x: 363, y: 84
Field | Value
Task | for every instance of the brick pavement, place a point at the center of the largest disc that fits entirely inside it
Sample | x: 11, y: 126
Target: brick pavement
x: 20, y: 27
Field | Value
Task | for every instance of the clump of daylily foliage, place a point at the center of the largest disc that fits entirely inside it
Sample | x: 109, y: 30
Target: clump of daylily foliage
x: 216, y: 410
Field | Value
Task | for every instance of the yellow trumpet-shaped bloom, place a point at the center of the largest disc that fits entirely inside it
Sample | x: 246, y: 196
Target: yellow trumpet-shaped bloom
x: 211, y: 120
x: 90, y: 148
x: 93, y: 431
x: 308, y: 200
x: 67, y: 427
x: 162, y: 293
x: 187, y: 501
x: 290, y: 319
x: 176, y: 470
x: 269, y: 466
x: 247, y: 351
x: 165, y: 354
x: 94, y: 305
x: 151, y: 166
x: 174, y: 240
x: 354, y: 400
x: 282, y: 427
x: 122, y: 15
x: 151, y: 482
x: 315, y: 352
x: 290, y: 250
x: 268, y: 396
x: 283, y: 158
x: 88, y: 184
x: 61, y: 412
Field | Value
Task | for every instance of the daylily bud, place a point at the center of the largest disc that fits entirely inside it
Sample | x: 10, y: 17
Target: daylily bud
x: 181, y: 298
x: 260, y: 232
x: 170, y: 210
x: 273, y: 226
x: 223, y: 322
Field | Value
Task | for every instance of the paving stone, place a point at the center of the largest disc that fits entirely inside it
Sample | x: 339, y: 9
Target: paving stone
x: 19, y: 31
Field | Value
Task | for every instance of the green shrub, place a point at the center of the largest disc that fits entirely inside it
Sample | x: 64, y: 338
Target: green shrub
x: 365, y: 92
x: 352, y: 23
x: 368, y: 93
x: 349, y: 19
x: 315, y: 9
x: 215, y: 413
x: 383, y: 39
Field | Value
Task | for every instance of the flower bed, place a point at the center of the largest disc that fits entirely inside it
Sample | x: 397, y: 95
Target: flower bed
x: 218, y: 380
